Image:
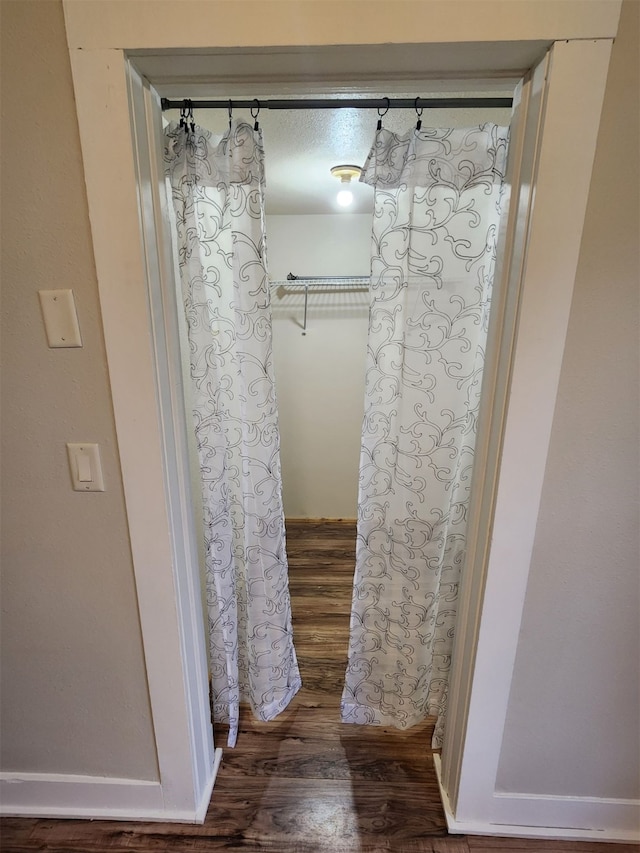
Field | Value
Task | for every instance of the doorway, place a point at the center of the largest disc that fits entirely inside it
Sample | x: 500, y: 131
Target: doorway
x: 350, y: 774
x: 335, y: 243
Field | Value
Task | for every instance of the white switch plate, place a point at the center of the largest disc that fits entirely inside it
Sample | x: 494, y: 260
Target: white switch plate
x: 60, y: 318
x: 85, y: 467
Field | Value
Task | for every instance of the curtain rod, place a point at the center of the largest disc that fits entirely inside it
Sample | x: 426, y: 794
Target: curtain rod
x: 341, y: 103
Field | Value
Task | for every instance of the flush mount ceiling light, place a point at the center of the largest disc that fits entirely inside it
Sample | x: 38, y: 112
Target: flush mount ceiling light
x: 345, y: 173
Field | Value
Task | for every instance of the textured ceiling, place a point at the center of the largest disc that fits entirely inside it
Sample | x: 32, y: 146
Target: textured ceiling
x: 301, y: 147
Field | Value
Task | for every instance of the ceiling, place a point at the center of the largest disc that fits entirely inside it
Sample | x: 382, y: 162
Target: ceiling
x: 301, y: 146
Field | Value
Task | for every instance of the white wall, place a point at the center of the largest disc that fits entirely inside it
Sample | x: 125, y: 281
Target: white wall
x: 74, y: 690
x: 320, y: 375
x: 573, y: 725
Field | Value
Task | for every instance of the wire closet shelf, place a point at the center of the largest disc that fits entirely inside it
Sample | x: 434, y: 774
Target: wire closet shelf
x: 301, y: 284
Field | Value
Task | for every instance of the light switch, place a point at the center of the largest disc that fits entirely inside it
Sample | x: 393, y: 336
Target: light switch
x: 85, y: 466
x: 60, y: 318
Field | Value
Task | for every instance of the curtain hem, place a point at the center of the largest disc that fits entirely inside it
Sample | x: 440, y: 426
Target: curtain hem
x: 268, y: 712
x: 352, y: 714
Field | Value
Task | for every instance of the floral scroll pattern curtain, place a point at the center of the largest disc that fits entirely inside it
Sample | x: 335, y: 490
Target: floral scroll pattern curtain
x: 437, y: 209
x: 218, y: 198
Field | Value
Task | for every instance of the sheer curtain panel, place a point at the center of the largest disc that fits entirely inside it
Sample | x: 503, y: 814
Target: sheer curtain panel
x: 218, y: 198
x: 436, y: 215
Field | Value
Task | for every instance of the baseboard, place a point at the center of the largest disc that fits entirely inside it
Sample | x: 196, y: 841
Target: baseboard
x: 203, y: 805
x: 557, y: 818
x: 55, y: 795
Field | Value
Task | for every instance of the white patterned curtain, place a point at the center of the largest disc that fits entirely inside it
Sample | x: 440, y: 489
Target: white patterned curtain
x: 436, y: 214
x: 218, y: 198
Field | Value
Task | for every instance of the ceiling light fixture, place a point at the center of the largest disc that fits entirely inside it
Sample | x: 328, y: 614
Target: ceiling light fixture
x: 345, y: 173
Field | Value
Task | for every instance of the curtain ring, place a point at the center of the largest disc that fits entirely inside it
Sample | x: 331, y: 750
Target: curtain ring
x: 419, y: 110
x: 183, y: 115
x: 256, y: 114
x: 187, y: 122
x: 189, y: 115
x: 380, y: 114
x: 230, y: 108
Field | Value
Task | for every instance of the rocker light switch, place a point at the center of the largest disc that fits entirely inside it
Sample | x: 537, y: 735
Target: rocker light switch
x: 84, y: 467
x: 60, y: 318
x: 86, y: 470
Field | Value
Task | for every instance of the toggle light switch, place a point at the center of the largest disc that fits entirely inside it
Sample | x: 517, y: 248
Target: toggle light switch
x: 86, y: 470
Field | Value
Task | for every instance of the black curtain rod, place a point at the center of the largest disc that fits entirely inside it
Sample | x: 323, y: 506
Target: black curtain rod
x: 342, y: 103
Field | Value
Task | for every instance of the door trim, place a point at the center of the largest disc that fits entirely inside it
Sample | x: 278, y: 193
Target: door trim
x: 128, y: 271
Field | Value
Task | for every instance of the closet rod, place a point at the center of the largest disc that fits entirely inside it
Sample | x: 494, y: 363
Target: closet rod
x: 342, y: 103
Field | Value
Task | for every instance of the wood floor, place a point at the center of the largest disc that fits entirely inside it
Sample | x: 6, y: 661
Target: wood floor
x: 304, y: 783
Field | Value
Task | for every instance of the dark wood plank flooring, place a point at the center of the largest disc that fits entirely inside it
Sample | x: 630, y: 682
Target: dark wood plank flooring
x: 304, y: 783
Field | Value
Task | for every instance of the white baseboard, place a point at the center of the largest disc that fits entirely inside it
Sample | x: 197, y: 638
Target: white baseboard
x: 201, y: 811
x: 56, y: 795
x: 558, y: 818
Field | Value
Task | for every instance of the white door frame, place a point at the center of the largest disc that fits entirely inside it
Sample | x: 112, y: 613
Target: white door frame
x: 559, y: 100
x: 119, y: 120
